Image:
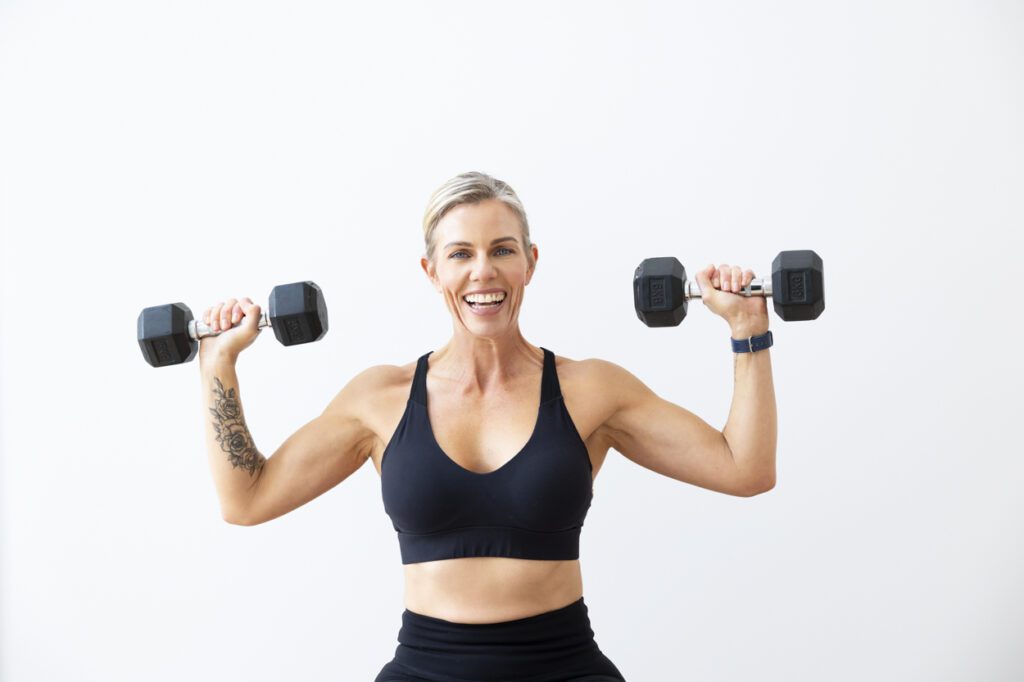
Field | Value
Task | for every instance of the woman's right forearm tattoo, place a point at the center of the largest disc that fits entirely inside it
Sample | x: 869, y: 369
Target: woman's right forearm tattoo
x: 232, y: 433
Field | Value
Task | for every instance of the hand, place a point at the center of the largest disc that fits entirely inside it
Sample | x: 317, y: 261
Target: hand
x: 232, y: 340
x: 747, y: 316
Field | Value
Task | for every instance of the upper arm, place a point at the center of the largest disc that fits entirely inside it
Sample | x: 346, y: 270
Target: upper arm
x: 666, y: 438
x: 317, y: 457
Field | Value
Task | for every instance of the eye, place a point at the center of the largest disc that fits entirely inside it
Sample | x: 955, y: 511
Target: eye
x: 502, y: 248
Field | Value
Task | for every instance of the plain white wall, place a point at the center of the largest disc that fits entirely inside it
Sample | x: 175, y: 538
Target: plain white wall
x: 191, y: 151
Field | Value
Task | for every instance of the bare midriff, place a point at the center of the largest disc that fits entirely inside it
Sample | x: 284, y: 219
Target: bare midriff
x: 490, y: 589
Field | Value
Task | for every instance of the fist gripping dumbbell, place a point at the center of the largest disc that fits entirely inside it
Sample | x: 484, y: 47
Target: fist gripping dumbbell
x: 797, y: 288
x: 169, y: 335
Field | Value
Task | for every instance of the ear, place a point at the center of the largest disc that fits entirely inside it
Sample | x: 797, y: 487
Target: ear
x: 533, y: 267
x: 428, y: 267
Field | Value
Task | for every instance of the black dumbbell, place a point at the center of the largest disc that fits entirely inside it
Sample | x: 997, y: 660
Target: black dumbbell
x: 169, y: 335
x: 797, y: 287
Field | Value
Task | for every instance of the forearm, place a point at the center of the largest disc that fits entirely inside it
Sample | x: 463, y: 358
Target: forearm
x: 751, y: 429
x: 234, y: 460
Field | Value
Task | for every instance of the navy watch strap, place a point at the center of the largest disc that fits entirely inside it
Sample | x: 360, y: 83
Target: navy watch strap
x: 753, y: 344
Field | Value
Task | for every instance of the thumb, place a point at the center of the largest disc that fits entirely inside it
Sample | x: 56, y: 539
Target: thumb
x: 252, y: 314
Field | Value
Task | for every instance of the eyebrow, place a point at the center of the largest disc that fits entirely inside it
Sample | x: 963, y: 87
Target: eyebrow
x: 496, y: 241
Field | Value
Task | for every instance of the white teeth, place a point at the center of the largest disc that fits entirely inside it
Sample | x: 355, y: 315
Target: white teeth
x: 484, y: 298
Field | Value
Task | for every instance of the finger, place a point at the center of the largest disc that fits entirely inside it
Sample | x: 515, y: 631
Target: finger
x: 242, y: 308
x: 215, y: 316
x: 245, y: 306
x: 722, y: 280
x: 736, y: 278
x: 238, y: 312
x: 748, y: 277
x: 206, y: 317
x: 225, y: 313
x: 704, y: 278
x: 252, y: 314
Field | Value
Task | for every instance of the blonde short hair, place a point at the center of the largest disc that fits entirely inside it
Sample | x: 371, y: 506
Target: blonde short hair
x: 471, y: 188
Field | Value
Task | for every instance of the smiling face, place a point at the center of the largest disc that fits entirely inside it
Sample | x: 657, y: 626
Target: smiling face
x: 478, y: 249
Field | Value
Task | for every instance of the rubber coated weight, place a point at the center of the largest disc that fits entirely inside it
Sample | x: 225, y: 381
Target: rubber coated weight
x: 798, y: 285
x: 169, y: 334
x: 163, y: 335
x: 658, y: 292
x: 298, y: 313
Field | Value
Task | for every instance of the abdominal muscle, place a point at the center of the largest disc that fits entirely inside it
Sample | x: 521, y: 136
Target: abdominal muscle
x: 490, y: 589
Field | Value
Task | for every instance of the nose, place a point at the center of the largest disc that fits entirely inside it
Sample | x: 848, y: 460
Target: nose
x: 483, y: 269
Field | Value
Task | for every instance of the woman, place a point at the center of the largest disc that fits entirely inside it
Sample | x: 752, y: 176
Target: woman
x: 486, y: 486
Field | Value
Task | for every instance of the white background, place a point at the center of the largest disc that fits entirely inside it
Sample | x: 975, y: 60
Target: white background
x: 192, y: 151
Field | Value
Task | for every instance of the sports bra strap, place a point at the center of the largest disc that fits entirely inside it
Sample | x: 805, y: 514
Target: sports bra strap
x: 418, y: 392
x: 549, y: 386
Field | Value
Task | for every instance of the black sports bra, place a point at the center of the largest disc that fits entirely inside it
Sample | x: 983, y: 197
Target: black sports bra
x: 532, y: 507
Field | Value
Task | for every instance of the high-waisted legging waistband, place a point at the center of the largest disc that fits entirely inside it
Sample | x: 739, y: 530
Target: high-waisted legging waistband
x: 548, y: 647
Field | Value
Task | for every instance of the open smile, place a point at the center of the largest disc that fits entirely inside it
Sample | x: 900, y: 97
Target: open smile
x: 485, y: 304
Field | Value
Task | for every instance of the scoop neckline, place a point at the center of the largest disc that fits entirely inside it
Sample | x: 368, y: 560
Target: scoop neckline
x: 445, y: 455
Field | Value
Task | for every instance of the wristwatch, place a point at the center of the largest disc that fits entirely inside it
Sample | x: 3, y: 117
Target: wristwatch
x: 753, y: 344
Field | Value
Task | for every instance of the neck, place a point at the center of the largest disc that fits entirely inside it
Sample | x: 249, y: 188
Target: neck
x: 478, y: 363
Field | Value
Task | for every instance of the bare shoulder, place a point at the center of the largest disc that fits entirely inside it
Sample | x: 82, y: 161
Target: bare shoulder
x: 376, y: 397
x: 377, y: 378
x: 593, y: 374
x: 593, y: 391
x: 371, y: 390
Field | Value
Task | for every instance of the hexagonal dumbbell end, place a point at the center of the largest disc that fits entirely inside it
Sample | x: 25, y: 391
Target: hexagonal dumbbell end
x: 298, y: 313
x: 163, y: 335
x: 798, y: 285
x: 658, y: 292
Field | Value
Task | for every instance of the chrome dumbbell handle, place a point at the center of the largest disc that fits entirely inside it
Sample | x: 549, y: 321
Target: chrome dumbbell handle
x: 198, y: 329
x: 757, y: 287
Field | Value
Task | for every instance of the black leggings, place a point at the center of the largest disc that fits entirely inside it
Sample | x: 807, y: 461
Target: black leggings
x: 555, y: 646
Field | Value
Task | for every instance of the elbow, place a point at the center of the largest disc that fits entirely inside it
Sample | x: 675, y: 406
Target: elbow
x: 235, y: 518
x: 759, y: 487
